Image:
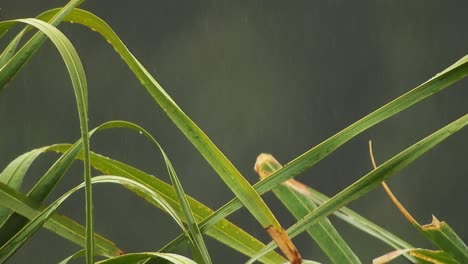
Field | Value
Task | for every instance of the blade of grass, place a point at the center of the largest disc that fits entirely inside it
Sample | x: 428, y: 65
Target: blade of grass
x: 41, y: 189
x: 326, y: 236
x: 9, y: 199
x: 136, y: 257
x: 373, y: 179
x: 194, y: 233
x: 360, y: 222
x: 61, y: 225
x: 454, y: 73
x: 56, y: 172
x: 78, y: 79
x: 225, y: 169
x: 194, y: 230
x: 223, y: 231
x: 10, y: 49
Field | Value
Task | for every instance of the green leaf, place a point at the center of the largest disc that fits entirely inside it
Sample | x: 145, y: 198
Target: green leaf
x: 9, y: 199
x: 136, y: 257
x: 290, y: 193
x: 223, y: 231
x: 58, y: 224
x: 62, y: 225
x: 78, y: 79
x: 10, y: 49
x: 194, y: 230
x: 225, y: 169
x: 441, y: 234
x: 373, y: 179
x: 361, y: 223
x: 442, y: 80
x: 43, y: 187
x: 13, y: 176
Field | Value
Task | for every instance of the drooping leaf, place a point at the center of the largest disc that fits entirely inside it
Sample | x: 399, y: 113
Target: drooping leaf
x: 78, y: 79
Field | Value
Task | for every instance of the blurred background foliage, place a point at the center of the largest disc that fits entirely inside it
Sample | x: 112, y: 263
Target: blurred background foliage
x: 238, y: 69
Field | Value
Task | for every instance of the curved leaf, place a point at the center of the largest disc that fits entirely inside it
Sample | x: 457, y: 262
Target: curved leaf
x: 223, y: 231
x: 9, y: 198
x: 78, y: 79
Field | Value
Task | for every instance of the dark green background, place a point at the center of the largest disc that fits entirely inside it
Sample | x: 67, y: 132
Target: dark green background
x: 256, y: 76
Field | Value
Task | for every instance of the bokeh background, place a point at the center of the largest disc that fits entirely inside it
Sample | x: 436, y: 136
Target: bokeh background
x: 256, y: 76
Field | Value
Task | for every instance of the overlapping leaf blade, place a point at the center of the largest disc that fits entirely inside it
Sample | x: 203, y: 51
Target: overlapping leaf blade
x: 225, y: 169
x: 9, y: 198
x: 223, y: 231
x: 78, y: 79
x: 373, y: 179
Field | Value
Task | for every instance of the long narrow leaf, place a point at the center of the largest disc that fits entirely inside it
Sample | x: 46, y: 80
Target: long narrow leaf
x: 442, y: 80
x: 362, y: 223
x: 60, y: 225
x: 13, y: 176
x: 194, y: 233
x: 454, y: 73
x: 194, y: 230
x: 373, y: 179
x: 439, y: 82
x: 42, y: 188
x: 9, y: 199
x: 225, y: 169
x: 223, y: 231
x: 10, y: 49
x: 78, y: 79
